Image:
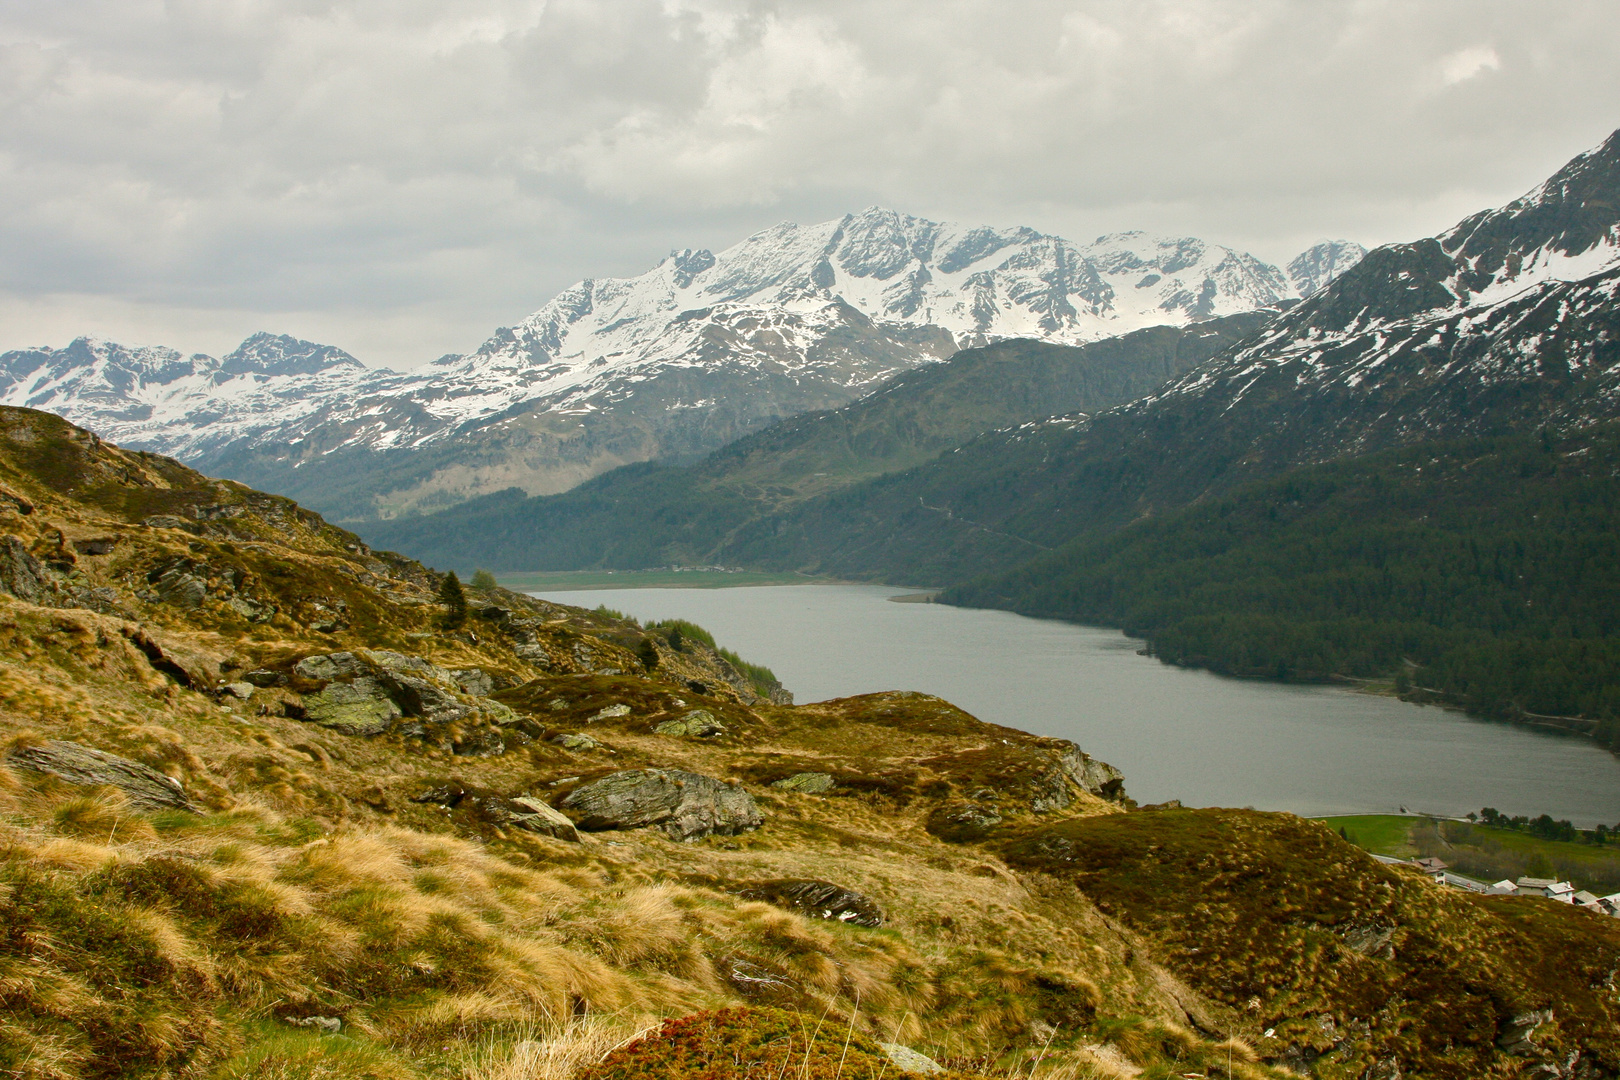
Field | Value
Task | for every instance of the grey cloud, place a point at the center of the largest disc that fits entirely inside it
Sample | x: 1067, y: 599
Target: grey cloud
x: 455, y: 164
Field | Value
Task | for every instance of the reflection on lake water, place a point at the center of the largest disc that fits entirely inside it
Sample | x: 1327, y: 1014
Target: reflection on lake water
x: 1188, y: 735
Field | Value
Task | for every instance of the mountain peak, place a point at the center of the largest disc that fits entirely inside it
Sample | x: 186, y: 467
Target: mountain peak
x: 282, y: 354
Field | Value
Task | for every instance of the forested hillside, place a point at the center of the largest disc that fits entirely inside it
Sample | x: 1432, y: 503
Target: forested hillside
x: 1484, y: 571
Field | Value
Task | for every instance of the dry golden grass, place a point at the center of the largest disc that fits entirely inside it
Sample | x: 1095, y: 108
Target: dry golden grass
x: 312, y: 885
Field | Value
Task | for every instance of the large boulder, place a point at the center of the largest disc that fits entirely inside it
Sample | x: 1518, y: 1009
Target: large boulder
x: 419, y: 697
x: 143, y: 786
x: 817, y: 899
x: 683, y: 805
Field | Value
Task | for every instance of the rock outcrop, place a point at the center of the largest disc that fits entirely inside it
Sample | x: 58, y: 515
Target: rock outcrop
x: 144, y: 787
x: 368, y: 692
x: 1094, y: 777
x: 683, y: 805
x: 817, y: 899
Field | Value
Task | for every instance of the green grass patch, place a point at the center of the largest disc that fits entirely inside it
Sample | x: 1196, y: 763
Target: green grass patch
x: 1493, y: 854
x: 1381, y: 834
x: 571, y: 580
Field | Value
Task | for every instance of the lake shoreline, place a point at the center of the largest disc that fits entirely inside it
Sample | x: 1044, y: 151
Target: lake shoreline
x: 1176, y: 732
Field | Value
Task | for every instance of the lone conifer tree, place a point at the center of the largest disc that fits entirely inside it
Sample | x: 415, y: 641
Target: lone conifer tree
x: 454, y: 601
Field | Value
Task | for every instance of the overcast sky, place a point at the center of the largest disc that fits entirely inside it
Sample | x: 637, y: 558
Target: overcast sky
x: 400, y: 177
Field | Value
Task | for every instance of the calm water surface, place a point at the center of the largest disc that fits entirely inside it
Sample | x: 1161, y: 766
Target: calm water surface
x: 1189, y: 735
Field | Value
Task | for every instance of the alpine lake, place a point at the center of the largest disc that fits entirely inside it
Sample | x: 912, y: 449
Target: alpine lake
x: 1204, y: 739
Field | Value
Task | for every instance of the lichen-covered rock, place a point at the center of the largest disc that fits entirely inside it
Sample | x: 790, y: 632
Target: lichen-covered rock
x: 263, y: 677
x: 683, y: 805
x: 698, y: 724
x: 251, y: 610
x: 388, y: 660
x: 817, y: 899
x: 612, y: 712
x: 910, y: 1061
x: 575, y: 741
x: 810, y: 783
x: 963, y: 823
x: 360, y: 707
x: 143, y: 786
x: 20, y: 573
x: 1049, y: 790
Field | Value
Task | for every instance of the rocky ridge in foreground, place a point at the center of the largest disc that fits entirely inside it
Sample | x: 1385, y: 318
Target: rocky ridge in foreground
x: 266, y: 813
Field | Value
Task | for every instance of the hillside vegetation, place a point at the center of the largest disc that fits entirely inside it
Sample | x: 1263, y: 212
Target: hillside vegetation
x: 266, y: 812
x: 652, y: 514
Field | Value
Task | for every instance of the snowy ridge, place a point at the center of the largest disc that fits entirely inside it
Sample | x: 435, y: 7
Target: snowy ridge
x: 791, y: 318
x: 979, y: 284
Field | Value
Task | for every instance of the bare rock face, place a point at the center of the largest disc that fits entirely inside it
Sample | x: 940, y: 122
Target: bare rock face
x: 684, y: 805
x: 817, y: 899
x: 144, y: 787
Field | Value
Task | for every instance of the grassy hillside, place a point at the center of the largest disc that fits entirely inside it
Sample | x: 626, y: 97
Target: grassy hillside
x: 268, y: 808
x: 1484, y: 572
x: 1349, y: 967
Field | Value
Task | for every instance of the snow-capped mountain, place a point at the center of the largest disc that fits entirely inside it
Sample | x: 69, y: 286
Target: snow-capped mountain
x: 1507, y: 322
x: 697, y: 351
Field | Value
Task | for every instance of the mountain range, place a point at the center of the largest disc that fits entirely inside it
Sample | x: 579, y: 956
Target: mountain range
x: 1479, y: 359
x: 694, y: 353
